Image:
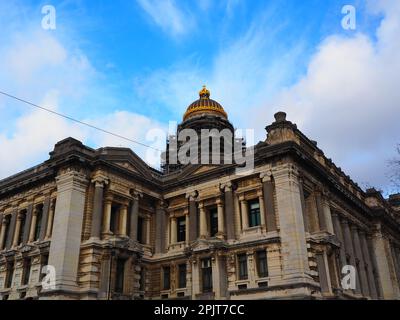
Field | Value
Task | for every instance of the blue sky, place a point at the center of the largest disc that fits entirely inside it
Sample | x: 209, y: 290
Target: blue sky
x: 134, y: 65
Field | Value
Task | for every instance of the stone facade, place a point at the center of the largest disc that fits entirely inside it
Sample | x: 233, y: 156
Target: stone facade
x: 114, y: 228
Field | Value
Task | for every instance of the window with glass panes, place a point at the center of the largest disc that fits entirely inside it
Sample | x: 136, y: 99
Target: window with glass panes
x: 120, y: 276
x: 26, y: 271
x: 182, y: 275
x: 22, y: 227
x: 242, y: 264
x: 166, y: 278
x: 38, y: 226
x: 213, y: 222
x: 262, y: 267
x: 254, y: 213
x: 181, y: 236
x: 206, y: 272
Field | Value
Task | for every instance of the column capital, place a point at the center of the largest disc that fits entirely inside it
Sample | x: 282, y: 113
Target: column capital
x: 220, y: 202
x: 285, y: 171
x: 226, y: 187
x: 192, y: 196
x: 201, y: 205
x: 242, y: 197
x: 21, y: 215
x: 266, y: 176
x: 136, y: 194
x: 161, y: 204
x: 100, y: 181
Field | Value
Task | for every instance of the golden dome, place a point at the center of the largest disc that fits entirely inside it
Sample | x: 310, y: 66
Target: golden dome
x: 205, y: 105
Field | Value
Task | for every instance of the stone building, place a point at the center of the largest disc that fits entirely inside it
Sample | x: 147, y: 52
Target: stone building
x: 114, y: 228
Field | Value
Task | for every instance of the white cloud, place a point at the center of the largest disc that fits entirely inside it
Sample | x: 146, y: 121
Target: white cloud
x: 167, y: 15
x: 349, y: 99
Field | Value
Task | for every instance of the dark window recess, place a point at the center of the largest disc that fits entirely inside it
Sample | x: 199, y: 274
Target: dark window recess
x: 26, y: 271
x: 166, y: 278
x: 242, y: 286
x: 262, y: 266
x: 120, y: 276
x: 213, y: 222
x: 206, y: 272
x: 181, y: 236
x: 182, y: 276
x: 142, y: 279
x: 181, y: 294
x: 263, y: 284
x: 114, y: 219
x: 38, y: 226
x: 164, y: 296
x: 140, y: 232
x: 22, y: 228
x: 254, y: 213
x: 242, y: 261
x: 9, y: 275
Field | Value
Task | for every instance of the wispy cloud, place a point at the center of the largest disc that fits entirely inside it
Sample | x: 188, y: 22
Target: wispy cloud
x: 173, y: 19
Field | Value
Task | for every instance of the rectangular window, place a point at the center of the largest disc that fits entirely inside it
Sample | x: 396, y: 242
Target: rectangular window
x: 181, y: 236
x: 22, y: 227
x: 182, y: 276
x: 140, y: 232
x: 213, y: 222
x: 38, y: 226
x: 26, y: 271
x: 114, y: 219
x: 254, y: 213
x: 206, y: 272
x: 120, y: 276
x: 242, y: 262
x: 9, y: 275
x: 262, y: 267
x: 166, y: 278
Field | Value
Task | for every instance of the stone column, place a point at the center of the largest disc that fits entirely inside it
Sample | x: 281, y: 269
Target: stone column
x: 148, y: 230
x: 174, y: 230
x: 295, y: 265
x: 350, y: 251
x: 67, y: 230
x: 379, y: 245
x: 360, y: 257
x: 303, y: 205
x: 107, y: 217
x: 192, y: 216
x: 3, y: 227
x: 123, y: 221
x: 49, y: 226
x: 368, y: 261
x: 262, y: 208
x: 323, y: 274
x: 160, y: 227
x: 99, y: 183
x: 45, y: 219
x: 33, y: 224
x: 17, y: 229
x: 10, y: 237
x: 134, y: 216
x: 320, y: 211
x: 327, y: 212
x: 203, y: 221
x: 221, y: 219
x: 187, y: 223
x: 28, y: 224
x: 339, y: 234
x: 229, y: 211
x: 244, y: 213
x: 268, y: 190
